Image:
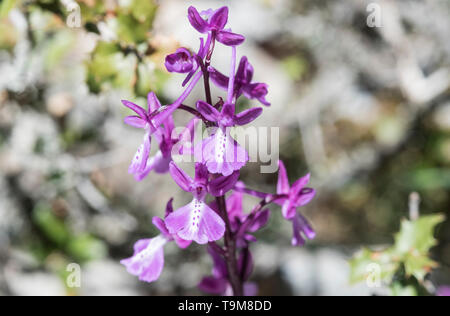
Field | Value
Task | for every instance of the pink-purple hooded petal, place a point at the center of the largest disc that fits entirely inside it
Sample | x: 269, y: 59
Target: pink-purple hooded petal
x: 221, y: 185
x: 247, y: 116
x: 219, y: 18
x: 196, y: 221
x: 147, y: 261
x: 180, y: 177
x: 230, y: 38
x: 197, y: 21
x: 180, y: 62
x: 244, y: 74
x: 283, y: 181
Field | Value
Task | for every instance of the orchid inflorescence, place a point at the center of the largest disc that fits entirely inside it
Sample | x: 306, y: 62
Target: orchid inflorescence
x: 219, y: 159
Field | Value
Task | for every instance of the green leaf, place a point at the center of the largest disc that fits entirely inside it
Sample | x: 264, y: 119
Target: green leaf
x: 417, y: 236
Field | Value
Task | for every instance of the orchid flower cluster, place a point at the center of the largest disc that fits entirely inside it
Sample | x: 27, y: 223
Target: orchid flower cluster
x: 219, y: 158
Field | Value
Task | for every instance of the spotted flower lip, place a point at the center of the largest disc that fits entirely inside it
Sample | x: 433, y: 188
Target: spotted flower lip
x: 243, y: 84
x: 147, y: 261
x: 143, y: 120
x: 214, y: 22
x: 197, y: 221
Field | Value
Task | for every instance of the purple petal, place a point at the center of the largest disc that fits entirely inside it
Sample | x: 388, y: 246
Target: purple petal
x: 247, y: 116
x: 181, y: 243
x: 197, y: 21
x: 140, y: 159
x: 300, y: 184
x: 158, y: 163
x: 245, y: 71
x: 228, y: 110
x: 212, y: 285
x: 180, y: 177
x: 218, y: 78
x: 288, y: 210
x: 148, y: 260
x: 136, y: 108
x: 219, y: 19
x: 153, y: 102
x: 283, y: 181
x: 135, y: 121
x: 169, y: 208
x: 229, y: 38
x: 180, y: 62
x: 196, y: 221
x: 221, y: 185
x: 208, y: 111
x: 201, y: 174
x: 259, y: 221
x: 301, y: 226
x: 305, y: 198
x: 159, y: 223
x: 220, y: 269
x: 257, y: 91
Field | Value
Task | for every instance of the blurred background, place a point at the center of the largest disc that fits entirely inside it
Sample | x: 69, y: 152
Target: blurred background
x: 364, y: 106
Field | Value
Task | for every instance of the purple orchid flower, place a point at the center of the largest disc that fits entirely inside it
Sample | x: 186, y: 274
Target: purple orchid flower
x: 142, y: 120
x: 197, y: 221
x: 220, y: 152
x: 243, y: 82
x: 182, y: 61
x: 296, y: 196
x: 218, y: 283
x: 214, y: 22
x: 147, y: 261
